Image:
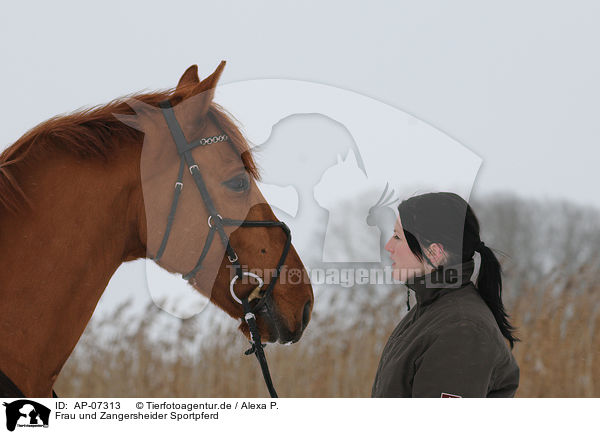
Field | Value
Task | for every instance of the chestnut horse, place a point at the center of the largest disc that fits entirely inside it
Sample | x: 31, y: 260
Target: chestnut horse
x: 81, y: 194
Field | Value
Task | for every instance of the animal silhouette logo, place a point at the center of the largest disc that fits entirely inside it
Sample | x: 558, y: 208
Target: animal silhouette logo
x: 316, y: 144
x: 382, y: 216
x: 334, y: 165
x: 26, y: 413
x: 331, y: 206
x: 338, y: 178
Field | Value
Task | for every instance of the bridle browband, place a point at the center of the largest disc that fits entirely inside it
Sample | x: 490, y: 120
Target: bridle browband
x: 216, y: 223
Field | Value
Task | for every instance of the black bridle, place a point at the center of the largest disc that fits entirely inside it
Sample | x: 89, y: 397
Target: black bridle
x: 184, y: 149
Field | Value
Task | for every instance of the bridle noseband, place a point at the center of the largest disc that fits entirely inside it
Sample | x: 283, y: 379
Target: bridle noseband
x: 216, y: 223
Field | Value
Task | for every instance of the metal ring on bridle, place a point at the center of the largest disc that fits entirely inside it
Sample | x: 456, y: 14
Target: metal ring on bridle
x: 245, y: 273
x: 209, y: 217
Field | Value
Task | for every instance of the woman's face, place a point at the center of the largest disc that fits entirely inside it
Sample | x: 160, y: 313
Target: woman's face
x: 406, y: 265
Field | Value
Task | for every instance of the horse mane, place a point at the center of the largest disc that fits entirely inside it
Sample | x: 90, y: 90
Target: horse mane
x: 95, y: 133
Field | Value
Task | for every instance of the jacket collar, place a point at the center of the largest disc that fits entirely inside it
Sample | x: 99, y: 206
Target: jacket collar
x: 440, y: 281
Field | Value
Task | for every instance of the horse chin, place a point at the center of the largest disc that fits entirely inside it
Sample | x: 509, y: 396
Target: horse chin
x: 268, y: 331
x: 272, y: 327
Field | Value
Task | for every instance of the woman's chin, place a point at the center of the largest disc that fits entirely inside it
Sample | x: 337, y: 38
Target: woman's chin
x: 399, y: 276
x: 403, y: 275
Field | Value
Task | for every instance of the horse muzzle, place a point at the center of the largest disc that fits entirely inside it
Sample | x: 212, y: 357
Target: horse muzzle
x: 275, y: 328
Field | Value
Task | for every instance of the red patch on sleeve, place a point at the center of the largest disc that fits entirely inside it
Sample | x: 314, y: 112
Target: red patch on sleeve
x: 449, y: 395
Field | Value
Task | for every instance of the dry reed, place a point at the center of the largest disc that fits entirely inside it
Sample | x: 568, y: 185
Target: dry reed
x: 557, y: 321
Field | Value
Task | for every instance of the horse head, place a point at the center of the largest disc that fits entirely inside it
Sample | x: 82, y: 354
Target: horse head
x: 229, y: 175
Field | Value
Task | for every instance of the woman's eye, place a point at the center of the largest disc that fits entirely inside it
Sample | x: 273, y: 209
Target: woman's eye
x: 238, y: 183
x: 396, y: 237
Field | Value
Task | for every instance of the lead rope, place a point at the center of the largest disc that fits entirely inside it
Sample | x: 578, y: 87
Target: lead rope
x: 249, y: 317
x: 257, y: 347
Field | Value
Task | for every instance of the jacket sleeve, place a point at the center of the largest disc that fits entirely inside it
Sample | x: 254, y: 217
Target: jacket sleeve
x: 460, y: 361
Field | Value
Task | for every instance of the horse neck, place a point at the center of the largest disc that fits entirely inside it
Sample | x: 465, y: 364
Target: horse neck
x: 58, y: 258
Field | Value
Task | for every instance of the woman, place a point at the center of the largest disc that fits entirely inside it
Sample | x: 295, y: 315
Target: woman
x: 453, y: 343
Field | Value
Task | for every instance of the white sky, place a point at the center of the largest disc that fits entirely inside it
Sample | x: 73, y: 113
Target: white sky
x: 518, y: 83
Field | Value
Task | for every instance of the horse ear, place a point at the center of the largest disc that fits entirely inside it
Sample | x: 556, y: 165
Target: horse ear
x: 213, y: 78
x: 189, y: 78
x: 204, y: 92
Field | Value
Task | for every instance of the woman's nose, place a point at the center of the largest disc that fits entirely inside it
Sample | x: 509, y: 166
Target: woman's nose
x: 388, y: 245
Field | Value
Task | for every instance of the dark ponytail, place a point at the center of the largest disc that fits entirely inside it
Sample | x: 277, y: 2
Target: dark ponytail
x: 446, y: 218
x: 489, y: 285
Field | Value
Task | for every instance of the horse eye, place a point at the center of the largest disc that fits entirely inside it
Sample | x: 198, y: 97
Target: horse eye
x: 238, y: 183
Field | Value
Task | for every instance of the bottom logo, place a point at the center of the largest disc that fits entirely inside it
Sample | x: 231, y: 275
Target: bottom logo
x: 26, y: 413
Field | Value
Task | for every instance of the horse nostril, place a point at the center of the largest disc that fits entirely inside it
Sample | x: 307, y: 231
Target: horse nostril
x: 263, y: 251
x: 305, y: 315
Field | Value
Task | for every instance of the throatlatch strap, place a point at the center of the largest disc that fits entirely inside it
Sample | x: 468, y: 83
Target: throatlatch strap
x: 171, y: 217
x: 207, y: 244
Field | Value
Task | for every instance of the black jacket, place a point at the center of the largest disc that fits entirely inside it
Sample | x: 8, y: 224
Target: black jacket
x: 448, y: 344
